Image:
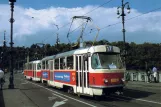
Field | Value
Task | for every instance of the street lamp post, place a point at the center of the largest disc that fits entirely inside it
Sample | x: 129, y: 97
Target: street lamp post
x: 122, y: 7
x: 11, y: 84
x: 57, y: 39
x: 3, y: 52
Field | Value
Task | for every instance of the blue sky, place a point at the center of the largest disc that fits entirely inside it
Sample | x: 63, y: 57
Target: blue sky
x: 28, y: 30
x: 141, y: 5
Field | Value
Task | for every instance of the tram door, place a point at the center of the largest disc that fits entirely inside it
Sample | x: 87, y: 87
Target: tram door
x: 82, y: 75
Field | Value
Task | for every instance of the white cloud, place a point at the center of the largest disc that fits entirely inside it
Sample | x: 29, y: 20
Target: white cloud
x: 26, y: 27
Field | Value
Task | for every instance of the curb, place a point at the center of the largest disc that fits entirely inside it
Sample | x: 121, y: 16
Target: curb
x: 145, y: 84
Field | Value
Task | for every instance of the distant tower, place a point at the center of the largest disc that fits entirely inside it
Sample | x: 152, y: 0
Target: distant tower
x: 4, y: 41
x: 57, y: 40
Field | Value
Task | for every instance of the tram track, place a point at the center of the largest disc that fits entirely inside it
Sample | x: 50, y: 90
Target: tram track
x: 127, y: 98
x: 86, y: 98
x: 82, y: 98
x: 109, y: 101
x: 29, y: 98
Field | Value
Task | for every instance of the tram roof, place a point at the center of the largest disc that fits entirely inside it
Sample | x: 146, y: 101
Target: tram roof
x: 49, y: 57
x: 68, y: 53
x: 92, y: 49
x: 36, y: 61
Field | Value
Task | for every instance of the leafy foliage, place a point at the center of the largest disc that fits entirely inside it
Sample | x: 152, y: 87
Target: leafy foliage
x: 138, y: 55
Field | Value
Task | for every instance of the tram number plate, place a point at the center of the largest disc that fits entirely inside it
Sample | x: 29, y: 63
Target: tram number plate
x: 114, y: 80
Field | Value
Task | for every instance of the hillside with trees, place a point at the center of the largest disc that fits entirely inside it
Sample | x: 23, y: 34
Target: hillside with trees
x: 138, y: 55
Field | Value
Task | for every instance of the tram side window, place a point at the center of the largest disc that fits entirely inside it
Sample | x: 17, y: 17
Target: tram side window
x: 43, y: 64
x: 30, y: 66
x: 51, y: 65
x: 38, y: 66
x: 47, y: 65
x: 70, y: 62
x: 62, y: 63
x: 34, y: 66
x: 56, y: 63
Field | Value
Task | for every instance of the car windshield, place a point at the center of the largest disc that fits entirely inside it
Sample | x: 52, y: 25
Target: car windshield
x: 106, y: 61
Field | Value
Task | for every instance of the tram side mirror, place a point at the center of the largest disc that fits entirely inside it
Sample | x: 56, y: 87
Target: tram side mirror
x: 89, y: 54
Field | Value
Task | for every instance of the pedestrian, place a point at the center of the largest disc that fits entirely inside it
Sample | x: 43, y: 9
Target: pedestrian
x: 154, y: 70
x: 2, y: 80
x: 148, y: 74
x: 1, y: 73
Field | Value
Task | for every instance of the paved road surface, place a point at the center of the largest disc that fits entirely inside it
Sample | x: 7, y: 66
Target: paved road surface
x: 38, y: 95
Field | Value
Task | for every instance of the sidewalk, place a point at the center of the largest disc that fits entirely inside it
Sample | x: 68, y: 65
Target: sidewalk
x: 145, y: 84
x: 14, y: 97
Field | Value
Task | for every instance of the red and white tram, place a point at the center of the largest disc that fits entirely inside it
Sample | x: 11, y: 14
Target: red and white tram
x: 33, y: 70
x: 93, y: 71
x: 47, y: 69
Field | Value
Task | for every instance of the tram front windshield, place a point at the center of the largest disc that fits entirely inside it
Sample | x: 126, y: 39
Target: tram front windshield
x: 106, y: 61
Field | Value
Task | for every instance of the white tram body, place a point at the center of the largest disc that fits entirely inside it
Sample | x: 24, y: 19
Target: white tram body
x: 93, y: 71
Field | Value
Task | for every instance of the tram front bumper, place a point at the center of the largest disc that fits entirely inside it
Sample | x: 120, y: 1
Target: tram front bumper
x: 106, y: 90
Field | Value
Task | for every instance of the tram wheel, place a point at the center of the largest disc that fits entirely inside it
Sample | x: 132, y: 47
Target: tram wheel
x: 108, y: 94
x: 70, y: 90
x: 47, y: 84
x: 79, y: 95
x: 30, y: 79
x: 98, y: 98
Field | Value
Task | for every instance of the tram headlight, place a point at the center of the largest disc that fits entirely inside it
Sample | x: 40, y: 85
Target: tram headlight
x: 105, y: 81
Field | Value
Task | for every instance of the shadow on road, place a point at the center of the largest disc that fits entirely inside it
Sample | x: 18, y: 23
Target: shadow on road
x: 1, y: 99
x: 137, y: 93
x: 10, y: 89
x: 129, y: 94
x: 30, y: 88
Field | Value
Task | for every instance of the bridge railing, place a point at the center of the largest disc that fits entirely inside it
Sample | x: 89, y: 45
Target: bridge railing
x: 142, y: 76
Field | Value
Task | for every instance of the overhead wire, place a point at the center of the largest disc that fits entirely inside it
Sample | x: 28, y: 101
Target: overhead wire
x: 129, y: 19
x: 109, y: 24
x: 77, y: 28
x: 91, y: 11
x: 69, y: 32
x: 85, y: 14
x: 83, y: 23
x: 98, y: 7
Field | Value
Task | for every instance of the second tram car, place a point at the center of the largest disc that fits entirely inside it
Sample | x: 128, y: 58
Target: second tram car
x: 47, y: 68
x: 32, y: 70
x: 93, y: 71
